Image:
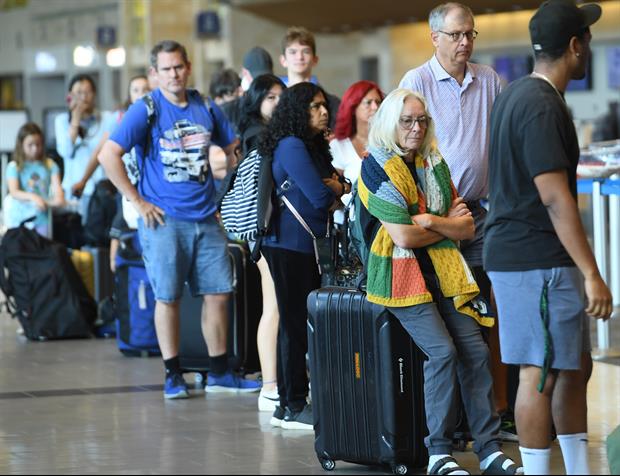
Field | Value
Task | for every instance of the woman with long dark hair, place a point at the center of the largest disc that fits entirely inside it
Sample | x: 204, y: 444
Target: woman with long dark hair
x: 257, y: 107
x: 307, y: 182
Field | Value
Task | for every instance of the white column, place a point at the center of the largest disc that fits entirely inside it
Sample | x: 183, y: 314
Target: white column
x: 614, y: 245
x: 599, y: 209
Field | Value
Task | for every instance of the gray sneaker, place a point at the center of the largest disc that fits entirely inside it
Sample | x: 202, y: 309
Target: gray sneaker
x: 302, y: 420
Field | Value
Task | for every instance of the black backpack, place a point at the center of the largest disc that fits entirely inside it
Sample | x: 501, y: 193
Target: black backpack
x: 42, y: 287
x: 101, y: 212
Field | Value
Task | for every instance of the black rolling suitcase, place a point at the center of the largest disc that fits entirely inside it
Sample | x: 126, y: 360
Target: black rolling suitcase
x: 244, y: 311
x: 367, y: 383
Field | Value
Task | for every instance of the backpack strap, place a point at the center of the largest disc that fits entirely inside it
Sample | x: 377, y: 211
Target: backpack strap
x: 251, y: 132
x: 151, y: 117
x: 208, y: 104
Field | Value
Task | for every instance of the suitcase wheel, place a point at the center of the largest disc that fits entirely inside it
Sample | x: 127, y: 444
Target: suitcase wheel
x: 328, y: 464
x: 400, y: 469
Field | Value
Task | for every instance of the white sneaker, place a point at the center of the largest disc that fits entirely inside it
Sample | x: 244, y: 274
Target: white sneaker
x: 268, y: 401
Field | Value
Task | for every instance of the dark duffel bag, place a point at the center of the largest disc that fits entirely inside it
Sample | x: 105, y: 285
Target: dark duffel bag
x: 43, y: 289
x: 367, y: 383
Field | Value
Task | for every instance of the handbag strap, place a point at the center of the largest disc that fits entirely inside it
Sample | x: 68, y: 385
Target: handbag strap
x: 281, y: 190
x: 296, y: 214
x: 303, y: 223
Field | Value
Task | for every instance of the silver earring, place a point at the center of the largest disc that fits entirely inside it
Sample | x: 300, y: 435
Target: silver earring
x: 577, y: 55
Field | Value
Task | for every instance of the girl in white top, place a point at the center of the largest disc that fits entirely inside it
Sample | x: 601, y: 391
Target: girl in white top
x: 359, y: 104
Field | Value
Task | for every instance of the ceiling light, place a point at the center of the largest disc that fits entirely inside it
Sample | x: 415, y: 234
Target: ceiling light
x: 45, y: 62
x: 115, y: 58
x: 83, y: 56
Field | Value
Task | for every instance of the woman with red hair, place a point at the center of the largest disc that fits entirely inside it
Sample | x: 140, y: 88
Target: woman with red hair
x: 359, y: 104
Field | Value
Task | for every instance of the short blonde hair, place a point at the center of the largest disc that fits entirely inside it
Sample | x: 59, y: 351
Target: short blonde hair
x: 384, y: 124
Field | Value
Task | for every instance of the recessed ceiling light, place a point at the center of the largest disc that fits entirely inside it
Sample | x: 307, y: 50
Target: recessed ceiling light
x: 115, y: 58
x: 83, y: 56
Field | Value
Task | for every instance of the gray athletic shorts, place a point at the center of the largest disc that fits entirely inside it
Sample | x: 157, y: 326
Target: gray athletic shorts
x: 521, y: 327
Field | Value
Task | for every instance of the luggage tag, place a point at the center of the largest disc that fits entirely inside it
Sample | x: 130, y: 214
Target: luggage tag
x: 142, y: 295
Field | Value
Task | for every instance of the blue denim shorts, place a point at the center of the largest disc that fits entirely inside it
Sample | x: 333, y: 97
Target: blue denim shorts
x: 184, y: 251
x: 521, y: 327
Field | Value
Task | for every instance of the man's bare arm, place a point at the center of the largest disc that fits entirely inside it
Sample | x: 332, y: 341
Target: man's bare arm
x: 555, y: 194
x: 111, y: 160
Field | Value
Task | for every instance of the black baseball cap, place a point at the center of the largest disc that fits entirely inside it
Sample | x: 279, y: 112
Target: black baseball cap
x: 258, y: 61
x: 557, y: 21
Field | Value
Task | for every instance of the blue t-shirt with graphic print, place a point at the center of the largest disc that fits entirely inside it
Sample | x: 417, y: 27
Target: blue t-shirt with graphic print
x: 176, y: 175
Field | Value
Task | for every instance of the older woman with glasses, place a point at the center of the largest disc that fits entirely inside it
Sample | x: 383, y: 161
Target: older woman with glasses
x: 416, y: 270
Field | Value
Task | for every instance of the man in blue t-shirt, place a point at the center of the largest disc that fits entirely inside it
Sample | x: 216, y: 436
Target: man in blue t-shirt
x: 175, y: 197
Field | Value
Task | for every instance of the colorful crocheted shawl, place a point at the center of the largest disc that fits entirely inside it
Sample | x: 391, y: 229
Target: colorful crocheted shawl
x: 388, y: 191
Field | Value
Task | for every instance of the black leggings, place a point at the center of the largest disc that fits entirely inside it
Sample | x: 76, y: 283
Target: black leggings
x: 295, y: 275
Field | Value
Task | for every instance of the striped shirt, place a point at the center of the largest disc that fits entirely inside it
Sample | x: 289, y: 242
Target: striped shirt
x: 461, y: 115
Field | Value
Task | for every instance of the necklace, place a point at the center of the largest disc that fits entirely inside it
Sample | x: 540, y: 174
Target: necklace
x: 534, y: 74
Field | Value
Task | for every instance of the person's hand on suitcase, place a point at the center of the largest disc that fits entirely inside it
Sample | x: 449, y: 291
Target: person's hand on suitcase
x: 151, y: 214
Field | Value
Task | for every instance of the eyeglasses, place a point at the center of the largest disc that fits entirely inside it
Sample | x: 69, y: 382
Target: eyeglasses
x: 408, y: 123
x: 458, y: 35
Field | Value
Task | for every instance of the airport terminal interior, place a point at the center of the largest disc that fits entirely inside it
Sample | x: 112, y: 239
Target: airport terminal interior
x: 79, y: 406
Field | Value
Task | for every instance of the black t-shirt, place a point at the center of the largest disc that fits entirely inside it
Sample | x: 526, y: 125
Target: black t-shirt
x: 119, y: 225
x: 334, y: 105
x: 531, y: 134
x: 232, y: 111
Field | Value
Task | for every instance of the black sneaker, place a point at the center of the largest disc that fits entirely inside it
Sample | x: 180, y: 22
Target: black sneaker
x: 302, y: 420
x: 508, y: 428
x: 277, y: 417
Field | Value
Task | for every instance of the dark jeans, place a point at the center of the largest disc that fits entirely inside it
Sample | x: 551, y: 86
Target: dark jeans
x: 295, y: 275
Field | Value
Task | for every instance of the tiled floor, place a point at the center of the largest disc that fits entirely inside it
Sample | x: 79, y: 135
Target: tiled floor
x: 79, y: 407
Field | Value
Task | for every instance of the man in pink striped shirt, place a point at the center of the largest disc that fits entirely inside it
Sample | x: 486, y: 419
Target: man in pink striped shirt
x: 460, y: 96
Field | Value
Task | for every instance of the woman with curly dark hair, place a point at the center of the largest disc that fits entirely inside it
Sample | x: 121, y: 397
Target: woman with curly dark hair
x: 307, y: 183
